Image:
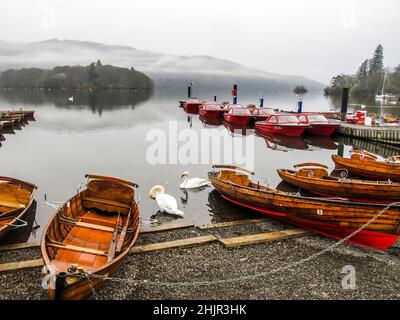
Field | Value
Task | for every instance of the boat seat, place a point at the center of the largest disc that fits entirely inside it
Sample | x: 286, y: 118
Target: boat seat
x: 77, y: 249
x: 11, y: 204
x: 90, y: 226
x: 106, y: 202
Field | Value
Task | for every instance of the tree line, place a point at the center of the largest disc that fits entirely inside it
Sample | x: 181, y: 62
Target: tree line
x: 91, y: 76
x: 369, y: 78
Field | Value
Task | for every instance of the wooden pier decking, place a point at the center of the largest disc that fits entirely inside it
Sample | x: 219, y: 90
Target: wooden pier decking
x: 389, y: 135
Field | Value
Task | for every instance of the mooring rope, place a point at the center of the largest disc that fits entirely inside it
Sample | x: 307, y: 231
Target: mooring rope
x: 234, y: 279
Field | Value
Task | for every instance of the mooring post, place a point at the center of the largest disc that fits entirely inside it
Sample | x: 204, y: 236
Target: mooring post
x: 189, y: 91
x: 235, y: 93
x: 261, y: 102
x: 345, y: 101
x: 299, y: 105
x: 215, y: 98
x: 341, y: 150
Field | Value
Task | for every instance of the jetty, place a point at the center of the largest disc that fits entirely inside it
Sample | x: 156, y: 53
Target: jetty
x: 389, y: 134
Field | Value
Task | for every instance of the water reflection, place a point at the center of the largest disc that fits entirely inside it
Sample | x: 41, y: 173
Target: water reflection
x: 384, y: 150
x: 237, y: 130
x: 322, y: 142
x: 96, y: 100
x: 284, y: 143
x: 222, y: 210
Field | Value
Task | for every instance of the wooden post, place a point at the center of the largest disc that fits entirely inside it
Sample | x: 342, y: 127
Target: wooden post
x: 261, y: 102
x: 341, y: 149
x: 215, y: 98
x: 189, y: 91
x: 345, y: 101
x: 235, y: 93
x: 299, y: 105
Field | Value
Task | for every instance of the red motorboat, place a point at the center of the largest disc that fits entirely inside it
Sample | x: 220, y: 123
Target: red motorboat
x: 237, y: 129
x: 192, y: 105
x: 320, y: 125
x: 211, y: 110
x: 282, y: 124
x: 238, y: 114
x: 261, y: 113
x: 214, y: 122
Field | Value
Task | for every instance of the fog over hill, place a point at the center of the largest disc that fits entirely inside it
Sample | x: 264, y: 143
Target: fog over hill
x: 167, y: 71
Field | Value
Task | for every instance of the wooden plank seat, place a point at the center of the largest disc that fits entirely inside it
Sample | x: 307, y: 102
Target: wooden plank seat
x: 98, y: 219
x: 60, y: 245
x: 89, y: 226
x: 106, y: 202
x: 11, y: 204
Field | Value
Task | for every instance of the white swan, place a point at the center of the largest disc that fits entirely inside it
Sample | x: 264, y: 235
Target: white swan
x: 165, y: 202
x: 192, y: 183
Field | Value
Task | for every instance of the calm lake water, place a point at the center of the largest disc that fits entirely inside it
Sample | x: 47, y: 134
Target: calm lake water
x: 105, y: 133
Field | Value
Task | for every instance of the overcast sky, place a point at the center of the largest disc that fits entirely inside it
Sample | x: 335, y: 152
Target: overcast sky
x: 314, y: 38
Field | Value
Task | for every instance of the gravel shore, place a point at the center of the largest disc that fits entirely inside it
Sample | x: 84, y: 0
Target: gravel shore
x: 377, y: 273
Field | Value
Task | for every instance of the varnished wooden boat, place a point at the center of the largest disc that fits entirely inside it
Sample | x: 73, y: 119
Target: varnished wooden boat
x: 367, y: 165
x: 314, y: 177
x: 90, y: 237
x: 333, y: 217
x: 16, y: 201
x: 28, y: 113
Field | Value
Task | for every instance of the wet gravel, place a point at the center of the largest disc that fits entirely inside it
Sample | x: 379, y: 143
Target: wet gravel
x: 377, y: 272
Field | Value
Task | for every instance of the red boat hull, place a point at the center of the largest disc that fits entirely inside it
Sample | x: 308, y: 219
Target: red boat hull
x: 322, y: 130
x: 236, y: 119
x: 211, y: 113
x: 191, y: 107
x: 286, y: 130
x: 365, y: 238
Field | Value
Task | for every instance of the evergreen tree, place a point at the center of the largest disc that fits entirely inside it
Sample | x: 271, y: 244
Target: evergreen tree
x: 362, y: 72
x: 92, y: 74
x: 98, y: 64
x: 376, y: 63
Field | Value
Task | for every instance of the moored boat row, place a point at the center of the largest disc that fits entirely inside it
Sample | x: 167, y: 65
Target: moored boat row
x: 266, y: 119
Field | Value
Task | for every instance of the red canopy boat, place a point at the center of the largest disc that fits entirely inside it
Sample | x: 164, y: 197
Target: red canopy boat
x: 237, y: 129
x: 237, y: 114
x: 320, y: 125
x: 261, y: 113
x: 215, y: 122
x: 282, y: 124
x: 211, y: 110
x: 192, y: 105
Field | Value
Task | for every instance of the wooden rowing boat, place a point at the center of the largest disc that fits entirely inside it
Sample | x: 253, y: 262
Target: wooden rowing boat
x: 364, y: 164
x: 90, y: 236
x: 314, y: 177
x: 16, y: 201
x: 333, y: 217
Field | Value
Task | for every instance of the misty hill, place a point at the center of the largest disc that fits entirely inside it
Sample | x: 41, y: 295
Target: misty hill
x: 91, y: 76
x: 167, y: 71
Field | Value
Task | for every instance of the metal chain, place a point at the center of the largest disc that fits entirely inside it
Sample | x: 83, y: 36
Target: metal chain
x: 246, y: 277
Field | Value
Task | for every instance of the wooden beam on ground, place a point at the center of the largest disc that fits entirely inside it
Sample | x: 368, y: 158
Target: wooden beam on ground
x: 22, y: 265
x: 229, y: 223
x: 166, y: 227
x: 18, y: 246
x: 263, y: 237
x: 183, y: 243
